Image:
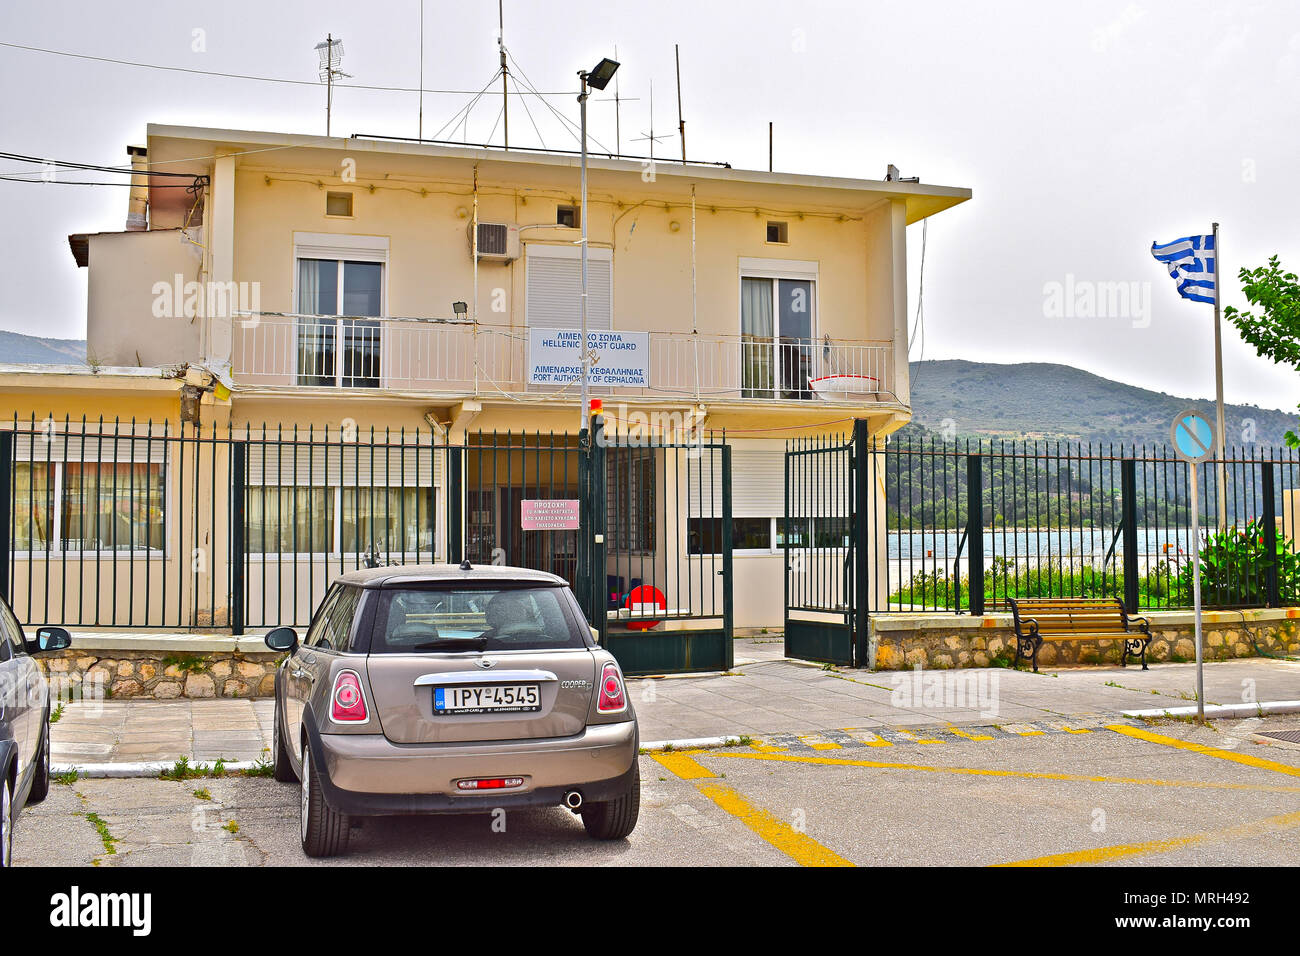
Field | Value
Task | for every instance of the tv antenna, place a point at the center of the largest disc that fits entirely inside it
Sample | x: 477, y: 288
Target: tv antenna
x: 651, y: 135
x: 331, y: 55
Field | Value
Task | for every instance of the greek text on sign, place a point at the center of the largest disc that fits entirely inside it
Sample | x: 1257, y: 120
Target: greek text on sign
x: 548, y: 514
x: 617, y: 358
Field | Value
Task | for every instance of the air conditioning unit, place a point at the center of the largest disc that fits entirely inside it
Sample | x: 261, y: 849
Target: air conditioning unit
x: 497, y: 241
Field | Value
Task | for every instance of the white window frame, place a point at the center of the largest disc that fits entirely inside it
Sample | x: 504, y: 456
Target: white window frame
x: 336, y: 553
x: 776, y: 269
x: 32, y: 553
x: 341, y: 249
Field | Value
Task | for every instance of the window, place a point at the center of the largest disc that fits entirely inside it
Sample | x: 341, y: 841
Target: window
x: 747, y: 534
x: 335, y: 633
x: 11, y: 641
x: 630, y: 499
x: 338, y: 204
x: 554, y: 287
x: 321, y: 622
x: 776, y: 332
x: 567, y: 216
x: 315, y: 520
x: 778, y: 231
x: 431, y: 620
x: 341, y: 351
x: 89, y: 506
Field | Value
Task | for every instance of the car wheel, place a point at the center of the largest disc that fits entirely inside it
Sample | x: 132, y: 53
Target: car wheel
x: 324, y: 832
x: 281, y: 768
x: 614, y: 819
x: 7, y: 824
x: 41, y: 782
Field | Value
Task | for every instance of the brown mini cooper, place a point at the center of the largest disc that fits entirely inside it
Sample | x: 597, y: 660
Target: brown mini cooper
x: 451, y: 689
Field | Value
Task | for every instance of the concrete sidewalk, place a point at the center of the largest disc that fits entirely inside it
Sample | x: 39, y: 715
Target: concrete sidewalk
x: 765, y: 695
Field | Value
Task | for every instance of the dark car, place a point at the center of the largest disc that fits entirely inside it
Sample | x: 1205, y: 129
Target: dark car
x: 24, y: 721
x: 451, y: 689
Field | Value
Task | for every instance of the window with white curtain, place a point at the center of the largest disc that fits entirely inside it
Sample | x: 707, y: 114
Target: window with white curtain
x: 777, y: 325
x: 335, y: 347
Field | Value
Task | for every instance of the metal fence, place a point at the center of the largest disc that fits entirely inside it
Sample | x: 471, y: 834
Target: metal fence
x: 1071, y: 519
x: 125, y: 524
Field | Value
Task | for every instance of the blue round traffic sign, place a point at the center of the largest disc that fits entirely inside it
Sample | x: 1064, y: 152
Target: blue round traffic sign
x: 1193, y: 436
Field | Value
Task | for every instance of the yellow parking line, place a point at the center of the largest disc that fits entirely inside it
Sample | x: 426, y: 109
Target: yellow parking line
x: 682, y: 764
x: 875, y: 741
x: 1232, y: 755
x: 801, y: 848
x: 1106, y: 853
x: 958, y: 732
x: 918, y: 738
x: 1020, y: 774
x: 765, y: 748
x: 818, y: 742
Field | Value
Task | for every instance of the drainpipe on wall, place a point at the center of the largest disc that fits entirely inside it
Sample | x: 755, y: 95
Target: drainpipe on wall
x: 137, y: 211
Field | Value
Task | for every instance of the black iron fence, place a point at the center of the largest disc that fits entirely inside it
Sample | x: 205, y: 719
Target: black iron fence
x: 125, y: 524
x: 1068, y: 519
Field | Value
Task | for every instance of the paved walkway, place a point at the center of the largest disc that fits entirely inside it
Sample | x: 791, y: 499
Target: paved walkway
x: 764, y: 696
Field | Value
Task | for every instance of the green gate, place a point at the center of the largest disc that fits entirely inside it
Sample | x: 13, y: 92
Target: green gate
x: 826, y: 546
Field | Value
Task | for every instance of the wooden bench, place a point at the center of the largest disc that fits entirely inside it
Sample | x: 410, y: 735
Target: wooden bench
x: 1077, y: 619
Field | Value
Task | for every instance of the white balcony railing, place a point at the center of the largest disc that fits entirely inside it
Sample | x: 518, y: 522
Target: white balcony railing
x: 454, y: 358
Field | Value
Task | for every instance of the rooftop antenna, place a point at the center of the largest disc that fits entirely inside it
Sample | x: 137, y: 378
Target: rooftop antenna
x: 505, y: 71
x: 681, y: 123
x: 618, y: 138
x: 651, y: 135
x: 331, y: 55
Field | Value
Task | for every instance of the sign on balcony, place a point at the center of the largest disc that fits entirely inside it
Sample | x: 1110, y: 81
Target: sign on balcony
x: 618, y: 359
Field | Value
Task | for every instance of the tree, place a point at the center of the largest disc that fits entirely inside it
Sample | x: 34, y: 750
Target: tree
x: 1275, y: 332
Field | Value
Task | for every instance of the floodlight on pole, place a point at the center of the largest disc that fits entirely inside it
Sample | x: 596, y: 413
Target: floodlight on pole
x: 330, y: 51
x: 597, y: 78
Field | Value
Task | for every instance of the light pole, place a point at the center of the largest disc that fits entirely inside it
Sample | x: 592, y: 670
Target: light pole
x: 597, y: 79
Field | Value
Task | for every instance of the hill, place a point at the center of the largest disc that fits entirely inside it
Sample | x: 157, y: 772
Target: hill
x: 19, y: 349
x: 1037, y: 400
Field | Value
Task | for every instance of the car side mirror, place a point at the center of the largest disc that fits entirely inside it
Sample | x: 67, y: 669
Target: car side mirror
x: 282, y: 639
x: 50, y: 638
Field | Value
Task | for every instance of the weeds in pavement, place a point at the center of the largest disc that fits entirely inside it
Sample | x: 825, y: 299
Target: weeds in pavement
x: 67, y: 778
x: 102, y: 829
x: 182, y: 770
x: 262, y: 768
x: 231, y: 827
x: 203, y: 793
x: 56, y: 713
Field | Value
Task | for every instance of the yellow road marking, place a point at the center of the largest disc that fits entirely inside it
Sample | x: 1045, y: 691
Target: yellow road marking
x: 818, y: 742
x: 1020, y: 774
x: 684, y: 765
x: 1105, y: 853
x: 1235, y: 757
x: 765, y: 748
x: 800, y: 847
x: 861, y: 737
x: 957, y: 731
x: 918, y: 738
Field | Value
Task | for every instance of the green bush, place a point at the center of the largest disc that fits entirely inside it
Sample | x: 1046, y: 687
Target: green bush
x: 1235, y: 567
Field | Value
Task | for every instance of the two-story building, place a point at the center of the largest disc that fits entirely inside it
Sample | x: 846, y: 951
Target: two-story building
x: 325, y: 288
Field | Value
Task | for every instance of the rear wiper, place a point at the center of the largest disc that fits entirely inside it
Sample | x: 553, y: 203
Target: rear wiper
x: 453, y: 643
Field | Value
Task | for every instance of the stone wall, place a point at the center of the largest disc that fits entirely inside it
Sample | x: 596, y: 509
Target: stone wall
x: 160, y: 674
x: 902, y: 641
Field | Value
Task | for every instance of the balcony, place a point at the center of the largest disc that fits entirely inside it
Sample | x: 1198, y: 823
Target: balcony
x: 454, y: 358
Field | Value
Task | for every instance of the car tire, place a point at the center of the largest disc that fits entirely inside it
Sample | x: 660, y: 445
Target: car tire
x: 281, y: 768
x: 41, y: 781
x: 324, y: 832
x: 7, y: 823
x: 614, y: 819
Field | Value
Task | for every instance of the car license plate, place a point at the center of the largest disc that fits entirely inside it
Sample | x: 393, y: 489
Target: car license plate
x: 487, y: 699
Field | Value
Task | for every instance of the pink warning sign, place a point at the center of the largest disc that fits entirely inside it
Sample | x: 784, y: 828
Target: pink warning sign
x: 548, y: 514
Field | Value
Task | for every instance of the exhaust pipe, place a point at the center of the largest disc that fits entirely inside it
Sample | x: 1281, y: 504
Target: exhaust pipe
x: 573, y: 800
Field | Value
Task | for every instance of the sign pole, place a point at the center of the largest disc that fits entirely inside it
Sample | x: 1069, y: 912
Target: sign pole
x: 1221, y: 483
x: 1196, y: 591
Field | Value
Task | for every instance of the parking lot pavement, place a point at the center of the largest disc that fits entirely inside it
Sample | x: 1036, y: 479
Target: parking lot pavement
x: 119, y: 731
x: 1126, y: 794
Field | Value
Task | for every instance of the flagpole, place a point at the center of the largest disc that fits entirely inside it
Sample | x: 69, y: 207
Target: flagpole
x: 1221, y: 473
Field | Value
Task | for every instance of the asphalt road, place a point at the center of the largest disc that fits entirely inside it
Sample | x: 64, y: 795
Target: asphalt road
x: 1168, y: 793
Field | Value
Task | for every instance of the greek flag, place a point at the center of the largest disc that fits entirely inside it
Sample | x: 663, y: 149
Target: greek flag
x: 1191, y: 262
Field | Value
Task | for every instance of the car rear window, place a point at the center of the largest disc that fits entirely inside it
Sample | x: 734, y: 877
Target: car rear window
x: 434, y: 620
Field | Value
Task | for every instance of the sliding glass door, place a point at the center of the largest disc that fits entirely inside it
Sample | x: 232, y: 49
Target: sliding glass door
x: 329, y: 287
x: 776, y: 332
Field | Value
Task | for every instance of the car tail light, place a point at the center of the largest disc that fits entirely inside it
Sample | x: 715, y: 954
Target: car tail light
x: 347, y: 703
x: 613, y: 696
x: 491, y: 783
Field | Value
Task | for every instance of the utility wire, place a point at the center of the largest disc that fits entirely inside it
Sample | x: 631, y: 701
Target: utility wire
x: 247, y: 76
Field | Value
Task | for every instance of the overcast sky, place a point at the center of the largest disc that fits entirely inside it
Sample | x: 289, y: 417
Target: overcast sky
x: 1086, y: 131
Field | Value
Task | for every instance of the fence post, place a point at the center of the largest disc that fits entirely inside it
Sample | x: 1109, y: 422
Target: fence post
x: 1128, y: 522
x: 863, y: 545
x: 975, y: 531
x: 238, y: 485
x: 455, y: 506
x: 596, y: 578
x: 728, y: 604
x: 1272, y: 591
x: 6, y: 491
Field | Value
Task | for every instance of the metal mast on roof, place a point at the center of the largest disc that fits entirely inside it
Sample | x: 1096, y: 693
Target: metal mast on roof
x: 681, y: 123
x: 331, y: 55
x: 505, y: 71
x: 420, y: 131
